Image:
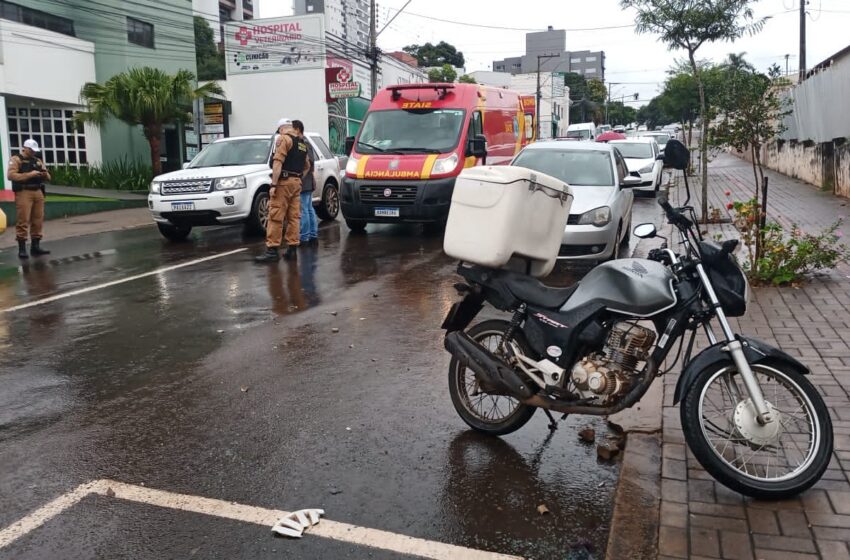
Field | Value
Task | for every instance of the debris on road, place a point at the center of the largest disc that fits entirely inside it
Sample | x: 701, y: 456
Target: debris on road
x: 334, y: 330
x: 542, y: 509
x: 243, y: 388
x: 587, y: 435
x: 294, y: 524
x: 607, y: 451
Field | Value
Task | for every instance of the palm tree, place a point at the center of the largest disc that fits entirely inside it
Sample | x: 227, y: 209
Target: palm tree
x: 144, y: 96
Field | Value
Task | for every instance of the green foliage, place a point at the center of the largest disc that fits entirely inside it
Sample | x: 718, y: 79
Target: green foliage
x: 620, y: 113
x: 144, y: 96
x: 446, y: 74
x: 123, y: 175
x: 209, y: 59
x: 596, y: 91
x: 467, y: 79
x: 786, y: 256
x: 436, y: 55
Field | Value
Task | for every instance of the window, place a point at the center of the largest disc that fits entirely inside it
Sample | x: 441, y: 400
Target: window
x: 323, y: 149
x: 53, y: 129
x: 140, y: 33
x: 590, y: 59
x: 36, y: 18
x: 590, y: 71
x: 575, y: 61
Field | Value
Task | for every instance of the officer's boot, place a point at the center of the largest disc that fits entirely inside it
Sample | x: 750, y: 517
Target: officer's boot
x: 22, y: 250
x: 291, y: 253
x: 37, y: 250
x: 271, y: 255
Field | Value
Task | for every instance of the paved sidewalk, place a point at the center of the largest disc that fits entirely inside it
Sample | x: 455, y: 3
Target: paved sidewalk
x: 95, y: 193
x: 86, y: 224
x: 702, y: 519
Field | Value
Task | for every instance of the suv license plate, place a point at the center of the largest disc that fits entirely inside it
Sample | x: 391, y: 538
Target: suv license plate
x: 182, y: 206
x: 386, y: 212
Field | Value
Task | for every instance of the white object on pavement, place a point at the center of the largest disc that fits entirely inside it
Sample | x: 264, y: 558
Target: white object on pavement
x: 293, y: 525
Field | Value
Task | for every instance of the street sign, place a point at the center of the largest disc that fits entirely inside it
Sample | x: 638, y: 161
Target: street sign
x: 339, y: 84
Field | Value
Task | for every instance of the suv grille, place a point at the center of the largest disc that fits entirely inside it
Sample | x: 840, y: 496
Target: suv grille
x: 186, y: 187
x: 398, y: 195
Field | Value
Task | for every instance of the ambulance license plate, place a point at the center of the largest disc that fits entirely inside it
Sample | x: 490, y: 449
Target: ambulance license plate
x: 182, y: 206
x: 386, y: 213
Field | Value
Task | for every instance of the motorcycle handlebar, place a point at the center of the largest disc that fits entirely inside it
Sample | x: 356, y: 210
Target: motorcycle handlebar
x: 676, y: 217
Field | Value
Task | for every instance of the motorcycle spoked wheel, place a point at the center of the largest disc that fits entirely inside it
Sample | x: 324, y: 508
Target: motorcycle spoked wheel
x: 771, y: 462
x: 489, y: 413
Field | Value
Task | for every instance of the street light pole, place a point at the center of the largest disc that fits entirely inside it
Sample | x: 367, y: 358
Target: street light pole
x: 373, y: 48
x: 802, y: 40
x: 539, y: 101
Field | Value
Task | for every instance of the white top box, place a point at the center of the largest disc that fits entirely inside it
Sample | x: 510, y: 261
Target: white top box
x: 508, y: 217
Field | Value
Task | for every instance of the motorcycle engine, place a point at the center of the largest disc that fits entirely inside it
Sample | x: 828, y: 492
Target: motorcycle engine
x: 610, y: 373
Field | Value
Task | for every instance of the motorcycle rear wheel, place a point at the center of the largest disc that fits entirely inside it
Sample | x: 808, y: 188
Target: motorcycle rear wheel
x: 488, y: 413
x: 771, y: 462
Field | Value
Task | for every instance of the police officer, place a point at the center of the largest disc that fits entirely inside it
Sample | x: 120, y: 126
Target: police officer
x: 289, y: 164
x: 28, y: 175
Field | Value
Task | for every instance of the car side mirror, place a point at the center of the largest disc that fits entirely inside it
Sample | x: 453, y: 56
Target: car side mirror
x: 477, y: 146
x: 349, y: 145
x: 630, y: 181
x: 660, y: 156
x: 645, y: 231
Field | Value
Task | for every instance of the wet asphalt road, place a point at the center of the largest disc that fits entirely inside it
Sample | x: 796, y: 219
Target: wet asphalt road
x: 224, y: 380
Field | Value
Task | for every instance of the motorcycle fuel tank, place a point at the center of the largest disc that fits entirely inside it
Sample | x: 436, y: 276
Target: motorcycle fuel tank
x: 637, y: 287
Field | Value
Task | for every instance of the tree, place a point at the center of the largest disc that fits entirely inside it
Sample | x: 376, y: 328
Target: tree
x: 467, y: 79
x: 436, y: 55
x: 446, y: 74
x: 752, y: 111
x: 620, y: 113
x: 147, y: 97
x: 209, y: 59
x: 596, y: 91
x: 688, y: 25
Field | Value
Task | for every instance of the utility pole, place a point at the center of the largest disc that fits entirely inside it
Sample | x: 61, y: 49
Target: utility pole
x: 373, y: 48
x: 802, y: 40
x: 787, y: 56
x: 539, y: 104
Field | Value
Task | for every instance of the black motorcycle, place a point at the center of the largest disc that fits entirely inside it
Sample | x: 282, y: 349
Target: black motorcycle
x: 748, y: 413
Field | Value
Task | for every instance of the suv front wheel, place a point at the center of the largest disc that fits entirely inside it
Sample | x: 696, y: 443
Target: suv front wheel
x: 173, y: 232
x: 259, y: 217
x: 328, y: 207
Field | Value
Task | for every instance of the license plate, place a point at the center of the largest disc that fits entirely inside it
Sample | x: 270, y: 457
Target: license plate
x: 182, y: 206
x: 387, y: 212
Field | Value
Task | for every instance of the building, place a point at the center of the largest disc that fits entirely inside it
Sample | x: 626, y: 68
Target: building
x: 71, y: 43
x: 590, y: 64
x: 554, y: 109
x: 346, y: 22
x: 220, y: 12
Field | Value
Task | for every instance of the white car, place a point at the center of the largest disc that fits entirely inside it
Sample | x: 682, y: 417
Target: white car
x: 228, y: 183
x: 644, y: 160
x: 660, y: 136
x: 600, y: 220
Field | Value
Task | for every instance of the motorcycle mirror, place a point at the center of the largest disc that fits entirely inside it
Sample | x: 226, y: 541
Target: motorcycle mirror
x: 645, y: 231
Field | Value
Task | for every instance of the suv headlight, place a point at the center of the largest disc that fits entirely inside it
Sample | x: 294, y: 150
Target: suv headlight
x: 445, y: 165
x: 597, y: 217
x: 230, y: 183
x: 351, y: 166
x: 647, y: 169
x: 155, y: 187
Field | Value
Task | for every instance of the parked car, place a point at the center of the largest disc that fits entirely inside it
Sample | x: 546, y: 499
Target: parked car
x: 643, y: 159
x: 620, y: 128
x: 603, y: 128
x: 600, y: 219
x: 228, y: 183
x: 583, y: 131
x: 661, y: 137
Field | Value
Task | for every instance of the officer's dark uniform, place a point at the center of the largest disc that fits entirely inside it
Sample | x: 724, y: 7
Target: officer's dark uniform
x: 29, y: 202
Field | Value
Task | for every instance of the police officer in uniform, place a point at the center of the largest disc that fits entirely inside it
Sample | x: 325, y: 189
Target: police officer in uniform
x: 28, y: 175
x: 289, y: 164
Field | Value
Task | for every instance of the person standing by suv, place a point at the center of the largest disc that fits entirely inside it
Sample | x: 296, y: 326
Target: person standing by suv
x: 289, y: 164
x: 28, y: 176
x: 309, y: 220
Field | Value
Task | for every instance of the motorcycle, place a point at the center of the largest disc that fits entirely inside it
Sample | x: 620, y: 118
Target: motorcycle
x: 749, y: 414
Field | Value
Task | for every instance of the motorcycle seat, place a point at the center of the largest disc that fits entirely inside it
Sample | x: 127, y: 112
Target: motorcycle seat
x: 534, y: 292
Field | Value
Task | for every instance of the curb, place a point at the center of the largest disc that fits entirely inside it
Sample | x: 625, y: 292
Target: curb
x: 637, y: 502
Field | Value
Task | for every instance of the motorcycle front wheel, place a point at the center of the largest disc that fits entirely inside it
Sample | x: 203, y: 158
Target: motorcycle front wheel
x: 771, y: 462
x: 483, y: 410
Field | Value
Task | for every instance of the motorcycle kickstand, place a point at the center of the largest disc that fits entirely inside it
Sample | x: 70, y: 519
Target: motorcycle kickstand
x: 553, y: 424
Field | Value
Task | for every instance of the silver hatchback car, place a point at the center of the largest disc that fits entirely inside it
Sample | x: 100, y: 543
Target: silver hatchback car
x: 601, y: 216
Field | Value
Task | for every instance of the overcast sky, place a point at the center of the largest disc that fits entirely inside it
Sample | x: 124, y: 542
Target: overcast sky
x: 638, y: 61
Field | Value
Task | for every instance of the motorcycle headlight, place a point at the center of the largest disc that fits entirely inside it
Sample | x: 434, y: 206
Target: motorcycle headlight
x: 647, y: 169
x: 445, y: 165
x: 155, y: 187
x: 598, y: 217
x: 351, y: 166
x: 230, y: 183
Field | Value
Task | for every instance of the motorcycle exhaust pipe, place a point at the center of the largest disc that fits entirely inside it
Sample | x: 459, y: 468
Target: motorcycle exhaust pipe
x: 486, y: 365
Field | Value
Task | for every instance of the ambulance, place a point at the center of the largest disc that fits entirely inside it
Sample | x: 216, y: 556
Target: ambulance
x: 417, y: 138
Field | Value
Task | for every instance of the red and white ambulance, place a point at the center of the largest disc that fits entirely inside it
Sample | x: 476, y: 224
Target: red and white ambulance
x: 415, y: 141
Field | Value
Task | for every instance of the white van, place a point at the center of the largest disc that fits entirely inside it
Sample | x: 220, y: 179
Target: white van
x: 582, y: 131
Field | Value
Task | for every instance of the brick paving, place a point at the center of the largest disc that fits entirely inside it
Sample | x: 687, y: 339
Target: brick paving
x: 700, y: 518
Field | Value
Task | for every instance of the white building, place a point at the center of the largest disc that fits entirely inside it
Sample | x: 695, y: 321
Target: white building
x: 554, y: 110
x: 346, y: 21
x: 219, y: 12
x: 41, y: 104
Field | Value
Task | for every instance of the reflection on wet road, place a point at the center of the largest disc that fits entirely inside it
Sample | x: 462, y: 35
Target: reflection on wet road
x: 320, y: 383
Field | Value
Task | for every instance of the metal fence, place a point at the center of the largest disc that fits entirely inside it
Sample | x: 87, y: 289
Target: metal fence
x: 821, y: 105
